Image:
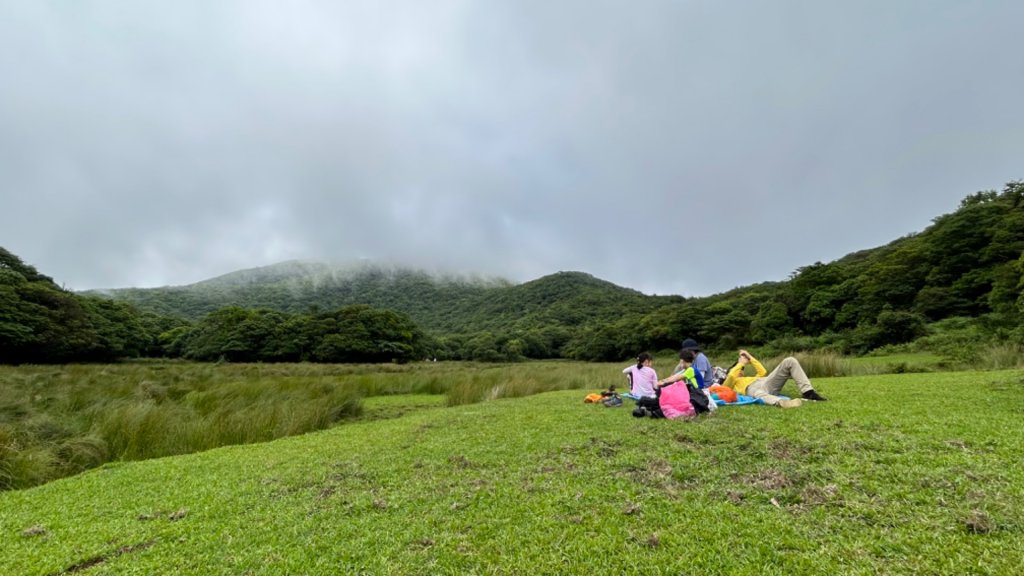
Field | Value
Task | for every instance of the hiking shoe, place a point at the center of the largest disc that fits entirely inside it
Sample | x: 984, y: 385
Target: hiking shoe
x: 812, y: 395
x: 795, y: 402
x: 640, y: 412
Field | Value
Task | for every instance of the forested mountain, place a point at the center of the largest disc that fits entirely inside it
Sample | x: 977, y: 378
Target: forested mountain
x: 302, y: 287
x: 41, y: 322
x: 968, y: 264
x: 443, y: 304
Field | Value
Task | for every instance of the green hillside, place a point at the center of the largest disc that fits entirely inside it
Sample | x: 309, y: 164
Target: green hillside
x: 958, y: 282
x: 967, y: 264
x: 303, y: 286
x: 892, y: 476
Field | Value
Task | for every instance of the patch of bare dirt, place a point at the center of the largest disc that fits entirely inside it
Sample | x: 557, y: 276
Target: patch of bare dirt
x: 651, y: 540
x: 959, y: 444
x: 604, y: 448
x: 734, y: 496
x: 460, y: 461
x: 97, y: 560
x: 33, y: 531
x: 786, y: 450
x: 818, y: 495
x: 659, y: 469
x: 423, y: 543
x: 768, y: 480
x: 978, y: 523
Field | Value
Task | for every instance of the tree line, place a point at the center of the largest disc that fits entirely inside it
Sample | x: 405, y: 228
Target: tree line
x: 966, y: 264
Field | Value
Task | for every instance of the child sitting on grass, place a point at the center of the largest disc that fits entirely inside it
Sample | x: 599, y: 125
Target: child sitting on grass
x: 642, y: 378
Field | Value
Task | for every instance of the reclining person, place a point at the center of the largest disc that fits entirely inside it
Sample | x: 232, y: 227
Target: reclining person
x: 765, y: 386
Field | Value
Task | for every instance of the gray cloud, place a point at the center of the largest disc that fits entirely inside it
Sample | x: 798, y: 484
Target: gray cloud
x: 673, y: 147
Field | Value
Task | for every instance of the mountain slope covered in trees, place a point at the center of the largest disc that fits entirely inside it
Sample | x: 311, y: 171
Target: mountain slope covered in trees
x: 968, y: 264
x: 42, y: 322
x: 312, y: 286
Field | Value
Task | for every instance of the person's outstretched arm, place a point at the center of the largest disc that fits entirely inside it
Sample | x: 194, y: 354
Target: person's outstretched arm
x: 736, y: 372
x: 673, y: 378
x: 754, y: 362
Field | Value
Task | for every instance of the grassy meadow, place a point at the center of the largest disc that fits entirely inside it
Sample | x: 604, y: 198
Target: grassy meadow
x: 478, y: 469
x: 57, y: 421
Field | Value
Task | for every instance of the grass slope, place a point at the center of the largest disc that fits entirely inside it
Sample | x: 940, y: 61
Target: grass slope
x: 902, y: 474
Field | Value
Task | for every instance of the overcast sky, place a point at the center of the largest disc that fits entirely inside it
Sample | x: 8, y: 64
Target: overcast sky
x: 681, y: 147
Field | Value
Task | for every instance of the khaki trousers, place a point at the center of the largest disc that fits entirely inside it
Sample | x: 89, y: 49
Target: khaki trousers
x: 766, y: 388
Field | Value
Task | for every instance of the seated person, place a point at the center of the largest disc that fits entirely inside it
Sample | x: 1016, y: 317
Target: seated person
x: 700, y: 362
x: 642, y: 378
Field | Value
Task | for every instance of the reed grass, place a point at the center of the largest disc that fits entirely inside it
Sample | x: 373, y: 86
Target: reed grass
x: 1000, y: 357
x: 57, y: 421
x: 819, y: 364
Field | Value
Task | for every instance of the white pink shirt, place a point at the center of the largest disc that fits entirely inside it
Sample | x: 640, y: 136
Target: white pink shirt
x: 643, y: 378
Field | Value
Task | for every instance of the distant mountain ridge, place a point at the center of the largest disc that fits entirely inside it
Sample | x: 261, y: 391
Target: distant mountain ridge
x: 317, y: 272
x: 437, y: 301
x: 966, y: 264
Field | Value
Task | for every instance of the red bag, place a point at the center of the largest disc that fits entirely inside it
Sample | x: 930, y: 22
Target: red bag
x: 727, y: 394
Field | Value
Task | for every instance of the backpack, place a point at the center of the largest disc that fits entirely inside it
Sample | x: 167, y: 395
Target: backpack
x: 718, y: 375
x: 698, y: 399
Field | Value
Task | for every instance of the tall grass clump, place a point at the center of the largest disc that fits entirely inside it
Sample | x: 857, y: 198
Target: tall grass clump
x: 827, y: 364
x: 255, y: 412
x: 22, y: 466
x: 518, y: 380
x: 58, y: 421
x: 80, y: 454
x: 8, y: 451
x: 232, y: 412
x: 471, y: 388
x: 138, y: 430
x: 999, y: 357
x: 816, y: 364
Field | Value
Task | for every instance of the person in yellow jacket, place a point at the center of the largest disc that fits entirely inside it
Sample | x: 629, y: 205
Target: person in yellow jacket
x: 765, y: 386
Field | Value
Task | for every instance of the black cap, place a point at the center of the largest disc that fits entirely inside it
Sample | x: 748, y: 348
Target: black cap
x: 690, y: 344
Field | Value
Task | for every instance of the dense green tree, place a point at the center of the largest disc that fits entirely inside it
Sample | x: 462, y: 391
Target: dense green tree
x: 937, y: 302
x: 41, y: 322
x: 771, y: 321
x: 898, y: 326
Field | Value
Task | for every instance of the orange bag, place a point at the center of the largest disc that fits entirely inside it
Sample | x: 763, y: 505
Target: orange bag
x: 592, y: 398
x: 727, y: 394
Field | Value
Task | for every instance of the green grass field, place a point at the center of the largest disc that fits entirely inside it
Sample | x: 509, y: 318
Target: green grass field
x: 57, y: 421
x: 896, y: 474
